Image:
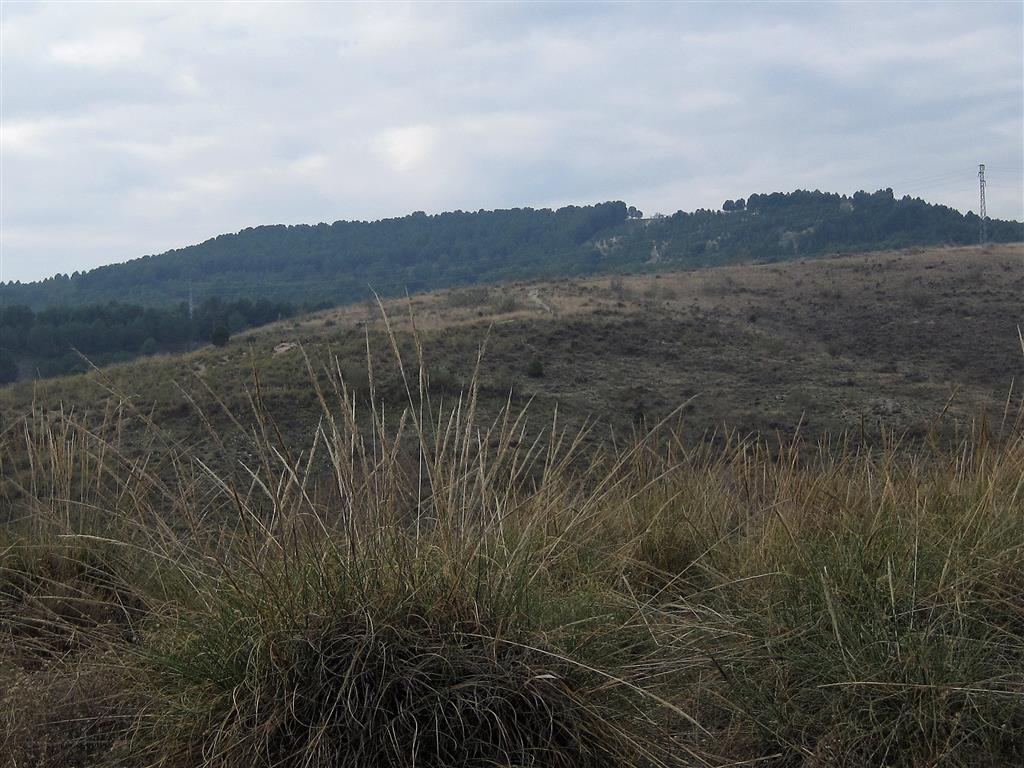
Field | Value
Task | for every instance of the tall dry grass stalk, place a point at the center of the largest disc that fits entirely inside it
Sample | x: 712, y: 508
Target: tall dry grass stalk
x: 415, y: 587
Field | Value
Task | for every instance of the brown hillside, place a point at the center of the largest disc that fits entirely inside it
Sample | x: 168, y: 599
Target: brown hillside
x: 851, y: 343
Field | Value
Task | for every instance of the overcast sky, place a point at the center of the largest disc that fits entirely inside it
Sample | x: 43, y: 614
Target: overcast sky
x: 129, y: 129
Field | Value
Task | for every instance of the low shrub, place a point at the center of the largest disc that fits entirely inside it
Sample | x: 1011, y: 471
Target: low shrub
x: 420, y: 588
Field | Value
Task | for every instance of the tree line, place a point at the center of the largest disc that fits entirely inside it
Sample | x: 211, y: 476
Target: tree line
x: 334, y: 263
x: 59, y: 339
x: 778, y: 226
x: 327, y: 264
x: 118, y: 311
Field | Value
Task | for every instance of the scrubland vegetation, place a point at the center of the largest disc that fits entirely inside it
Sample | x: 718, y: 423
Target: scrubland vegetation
x: 413, y: 584
x: 845, y: 345
x: 260, y: 274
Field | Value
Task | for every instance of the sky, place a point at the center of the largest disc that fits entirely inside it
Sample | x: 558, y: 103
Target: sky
x: 132, y: 128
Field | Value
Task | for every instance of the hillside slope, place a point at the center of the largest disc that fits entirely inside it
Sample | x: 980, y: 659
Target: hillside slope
x: 904, y: 340
x: 334, y: 263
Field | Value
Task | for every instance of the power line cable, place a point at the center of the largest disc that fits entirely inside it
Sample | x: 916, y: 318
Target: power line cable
x: 930, y: 187
x: 927, y: 179
x: 921, y: 182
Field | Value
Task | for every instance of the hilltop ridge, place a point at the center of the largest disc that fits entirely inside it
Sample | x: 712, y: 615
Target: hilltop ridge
x: 329, y: 264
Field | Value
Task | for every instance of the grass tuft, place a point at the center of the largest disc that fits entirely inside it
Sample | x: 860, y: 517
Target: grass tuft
x: 414, y: 587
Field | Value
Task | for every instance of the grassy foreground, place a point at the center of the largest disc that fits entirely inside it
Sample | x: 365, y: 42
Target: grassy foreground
x: 421, y: 589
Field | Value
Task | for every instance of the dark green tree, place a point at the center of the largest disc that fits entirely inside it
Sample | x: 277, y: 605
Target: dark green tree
x: 220, y: 334
x: 8, y: 368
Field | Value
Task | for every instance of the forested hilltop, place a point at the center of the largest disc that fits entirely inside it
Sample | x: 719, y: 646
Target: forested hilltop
x: 311, y: 265
x: 205, y: 292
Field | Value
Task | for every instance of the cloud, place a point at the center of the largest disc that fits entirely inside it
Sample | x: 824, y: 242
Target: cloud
x: 112, y: 48
x: 309, y: 164
x: 407, y: 147
x: 23, y: 136
x: 128, y: 129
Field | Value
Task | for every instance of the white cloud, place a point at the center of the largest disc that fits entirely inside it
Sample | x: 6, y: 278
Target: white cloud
x: 407, y: 147
x: 108, y: 49
x: 23, y: 136
x: 40, y: 136
x: 130, y: 128
x: 186, y: 83
x: 309, y: 164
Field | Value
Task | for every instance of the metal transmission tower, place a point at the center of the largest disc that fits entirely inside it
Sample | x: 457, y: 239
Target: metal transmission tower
x: 981, y: 204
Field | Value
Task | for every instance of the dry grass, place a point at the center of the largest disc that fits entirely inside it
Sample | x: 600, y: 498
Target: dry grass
x: 430, y: 588
x: 781, y: 347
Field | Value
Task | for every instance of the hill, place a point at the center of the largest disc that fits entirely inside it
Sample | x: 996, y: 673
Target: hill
x: 901, y: 339
x: 328, y: 264
x: 319, y: 579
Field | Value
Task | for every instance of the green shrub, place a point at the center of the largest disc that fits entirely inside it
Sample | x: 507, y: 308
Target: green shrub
x: 433, y: 590
x: 535, y: 368
x: 220, y: 335
x: 471, y: 297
